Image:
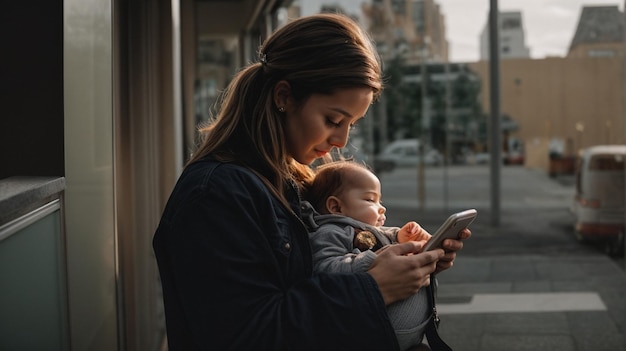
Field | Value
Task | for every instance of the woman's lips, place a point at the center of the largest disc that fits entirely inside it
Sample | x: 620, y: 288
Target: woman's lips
x: 320, y: 153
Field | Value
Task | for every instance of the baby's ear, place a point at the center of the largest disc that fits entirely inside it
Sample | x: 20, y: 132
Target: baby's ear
x: 333, y: 205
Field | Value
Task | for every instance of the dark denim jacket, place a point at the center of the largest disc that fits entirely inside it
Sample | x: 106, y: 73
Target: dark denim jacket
x: 235, y: 268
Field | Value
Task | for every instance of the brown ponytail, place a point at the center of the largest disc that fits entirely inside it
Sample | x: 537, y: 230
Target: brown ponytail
x: 316, y: 54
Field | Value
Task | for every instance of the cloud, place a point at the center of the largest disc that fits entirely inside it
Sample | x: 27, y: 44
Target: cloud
x: 561, y: 11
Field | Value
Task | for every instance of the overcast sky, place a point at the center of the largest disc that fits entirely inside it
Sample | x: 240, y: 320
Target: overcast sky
x: 549, y: 24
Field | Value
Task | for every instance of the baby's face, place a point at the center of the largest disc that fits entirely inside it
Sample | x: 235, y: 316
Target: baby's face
x: 363, y: 201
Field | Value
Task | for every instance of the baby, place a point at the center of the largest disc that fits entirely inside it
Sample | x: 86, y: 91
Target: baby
x: 344, y: 209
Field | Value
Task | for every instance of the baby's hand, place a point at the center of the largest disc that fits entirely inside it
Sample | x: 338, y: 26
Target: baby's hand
x: 412, y: 232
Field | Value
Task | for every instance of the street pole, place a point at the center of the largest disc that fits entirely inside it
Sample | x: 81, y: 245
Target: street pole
x: 421, y: 188
x: 447, y: 121
x: 425, y: 125
x: 495, y: 146
x: 624, y: 112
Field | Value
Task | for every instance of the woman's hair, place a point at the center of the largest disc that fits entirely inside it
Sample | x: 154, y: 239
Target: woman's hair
x: 331, y: 179
x: 317, y: 54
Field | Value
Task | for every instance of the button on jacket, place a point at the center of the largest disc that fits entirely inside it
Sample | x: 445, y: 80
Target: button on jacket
x: 235, y: 267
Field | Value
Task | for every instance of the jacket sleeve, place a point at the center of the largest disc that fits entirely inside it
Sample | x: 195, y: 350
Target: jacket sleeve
x: 391, y: 233
x: 330, y: 247
x: 235, y: 277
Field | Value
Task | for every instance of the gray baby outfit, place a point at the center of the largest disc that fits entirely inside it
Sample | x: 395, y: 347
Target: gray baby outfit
x: 332, y: 246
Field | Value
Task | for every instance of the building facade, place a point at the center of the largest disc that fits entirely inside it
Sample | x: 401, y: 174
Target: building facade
x: 511, y: 35
x: 562, y: 105
x: 99, y: 100
x: 411, y: 29
x: 599, y: 33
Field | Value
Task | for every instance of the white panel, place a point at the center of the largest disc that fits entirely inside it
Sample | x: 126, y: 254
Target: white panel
x: 520, y: 303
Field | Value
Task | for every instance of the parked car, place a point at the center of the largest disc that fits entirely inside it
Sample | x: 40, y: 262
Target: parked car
x: 513, y: 158
x: 405, y: 153
x: 513, y: 153
x: 478, y: 158
x: 598, y: 205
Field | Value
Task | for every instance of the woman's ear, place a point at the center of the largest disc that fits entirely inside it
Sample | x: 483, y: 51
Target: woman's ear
x: 333, y: 205
x: 282, y: 93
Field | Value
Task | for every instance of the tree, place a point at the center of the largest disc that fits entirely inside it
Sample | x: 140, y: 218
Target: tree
x: 404, y: 103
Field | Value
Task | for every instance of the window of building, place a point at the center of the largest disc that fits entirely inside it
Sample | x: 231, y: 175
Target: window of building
x: 601, y: 53
x: 511, y: 23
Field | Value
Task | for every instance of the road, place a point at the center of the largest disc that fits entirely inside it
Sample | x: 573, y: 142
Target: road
x: 462, y: 186
x: 525, y: 284
x: 534, y: 208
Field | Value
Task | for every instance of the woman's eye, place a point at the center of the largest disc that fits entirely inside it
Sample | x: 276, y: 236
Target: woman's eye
x: 333, y: 123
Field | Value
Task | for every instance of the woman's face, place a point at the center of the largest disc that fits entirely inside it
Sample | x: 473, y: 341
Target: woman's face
x: 323, y: 122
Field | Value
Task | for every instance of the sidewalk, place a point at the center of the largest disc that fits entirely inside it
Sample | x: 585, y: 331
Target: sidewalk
x: 526, y: 284
x: 533, y: 302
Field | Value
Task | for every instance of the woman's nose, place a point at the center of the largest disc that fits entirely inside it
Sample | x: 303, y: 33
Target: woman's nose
x: 382, y: 209
x: 339, y: 139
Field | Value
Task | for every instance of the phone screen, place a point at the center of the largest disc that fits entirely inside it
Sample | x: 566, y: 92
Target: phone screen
x: 451, y: 228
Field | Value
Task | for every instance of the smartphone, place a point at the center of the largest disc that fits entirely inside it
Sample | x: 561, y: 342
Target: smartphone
x: 451, y: 228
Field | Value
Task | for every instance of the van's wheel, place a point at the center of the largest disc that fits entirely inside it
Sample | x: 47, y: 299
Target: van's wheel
x: 580, y: 238
x: 619, y: 245
x: 615, y: 247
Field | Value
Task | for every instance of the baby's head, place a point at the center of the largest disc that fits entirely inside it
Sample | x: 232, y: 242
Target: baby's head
x: 347, y: 188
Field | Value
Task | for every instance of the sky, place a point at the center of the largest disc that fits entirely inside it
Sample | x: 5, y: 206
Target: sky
x: 549, y: 25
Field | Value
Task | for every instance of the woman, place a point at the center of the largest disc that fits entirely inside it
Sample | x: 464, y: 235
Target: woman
x: 232, y: 250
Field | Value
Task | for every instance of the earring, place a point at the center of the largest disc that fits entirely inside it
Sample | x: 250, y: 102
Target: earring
x: 281, y: 109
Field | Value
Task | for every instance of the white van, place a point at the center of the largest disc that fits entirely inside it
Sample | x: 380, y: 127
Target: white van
x: 405, y: 153
x: 598, y: 205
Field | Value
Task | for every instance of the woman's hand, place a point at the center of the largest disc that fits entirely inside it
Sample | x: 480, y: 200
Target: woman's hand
x: 401, y: 270
x: 412, y: 232
x: 451, y: 246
